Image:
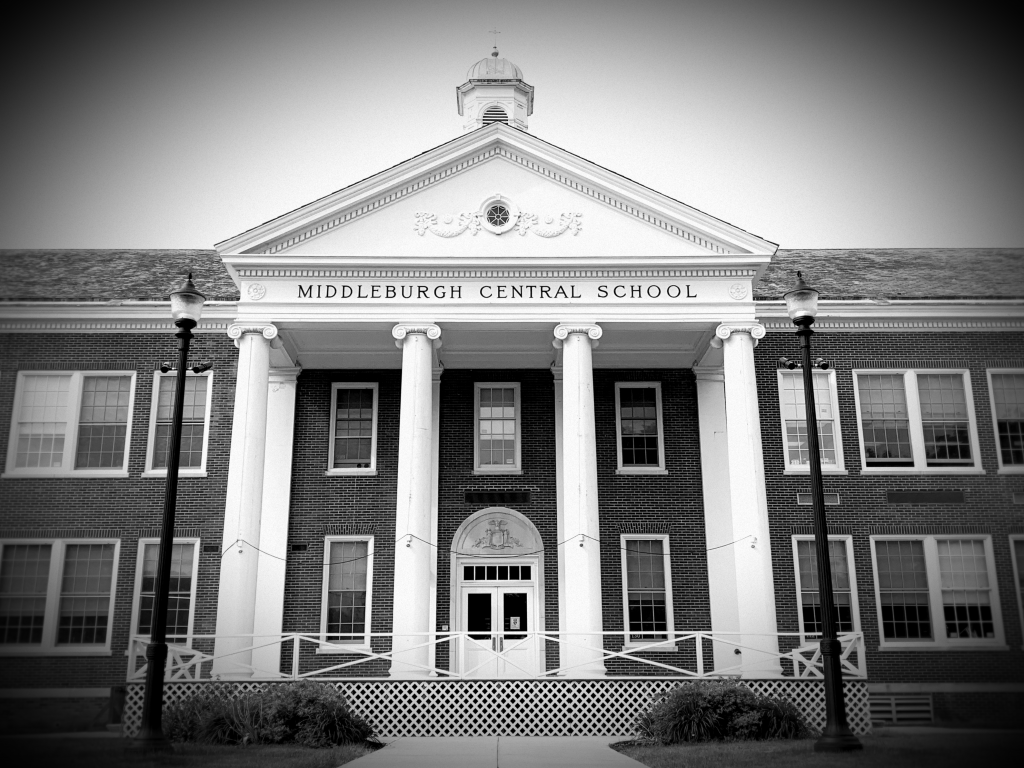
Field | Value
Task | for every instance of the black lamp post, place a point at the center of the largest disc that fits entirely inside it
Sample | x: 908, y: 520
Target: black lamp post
x: 802, y: 306
x: 186, y: 308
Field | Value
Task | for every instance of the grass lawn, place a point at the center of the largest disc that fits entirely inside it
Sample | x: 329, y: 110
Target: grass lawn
x: 116, y: 753
x: 884, y: 750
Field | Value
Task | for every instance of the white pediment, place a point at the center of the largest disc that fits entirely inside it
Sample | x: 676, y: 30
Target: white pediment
x: 432, y: 207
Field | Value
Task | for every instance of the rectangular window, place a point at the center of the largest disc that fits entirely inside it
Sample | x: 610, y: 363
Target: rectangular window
x: 936, y: 591
x: 1017, y: 549
x: 1007, y: 390
x: 497, y: 445
x: 181, y: 589
x: 843, y: 586
x: 916, y: 421
x: 71, y: 423
x: 195, y: 422
x: 353, y: 429
x: 794, y: 420
x: 638, y: 424
x: 347, y: 592
x: 56, y: 596
x: 647, y: 588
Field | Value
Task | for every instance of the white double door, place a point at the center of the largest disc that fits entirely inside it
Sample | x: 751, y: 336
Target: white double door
x: 499, y: 622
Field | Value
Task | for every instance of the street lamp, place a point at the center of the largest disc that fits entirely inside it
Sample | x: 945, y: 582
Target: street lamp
x: 186, y: 308
x: 802, y: 306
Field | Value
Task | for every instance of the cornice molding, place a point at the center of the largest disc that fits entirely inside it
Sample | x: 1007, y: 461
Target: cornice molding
x: 102, y: 326
x: 254, y: 272
x: 488, y: 154
x: 993, y: 324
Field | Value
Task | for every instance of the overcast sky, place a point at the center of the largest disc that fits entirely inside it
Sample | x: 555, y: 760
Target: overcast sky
x: 811, y: 124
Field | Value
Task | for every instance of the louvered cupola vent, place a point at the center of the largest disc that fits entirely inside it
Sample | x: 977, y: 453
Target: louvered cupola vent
x: 495, y: 115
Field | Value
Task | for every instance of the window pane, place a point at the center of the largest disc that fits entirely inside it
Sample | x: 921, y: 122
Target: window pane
x: 966, y: 596
x: 85, y: 594
x: 180, y: 590
x: 24, y: 574
x: 353, y: 428
x: 346, y: 590
x: 497, y: 426
x: 791, y: 395
x: 638, y: 423
x: 884, y: 419
x: 103, y: 422
x: 1008, y: 393
x: 810, y: 598
x: 42, y: 421
x: 193, y: 425
x: 903, y: 589
x: 645, y: 587
x: 944, y: 418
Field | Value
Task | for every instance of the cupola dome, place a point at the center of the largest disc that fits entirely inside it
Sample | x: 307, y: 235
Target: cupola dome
x: 494, y: 92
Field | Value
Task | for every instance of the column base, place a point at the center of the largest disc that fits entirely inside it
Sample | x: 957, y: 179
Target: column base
x: 840, y: 742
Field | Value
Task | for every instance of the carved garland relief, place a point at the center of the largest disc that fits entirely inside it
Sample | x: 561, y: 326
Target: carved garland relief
x: 497, y: 216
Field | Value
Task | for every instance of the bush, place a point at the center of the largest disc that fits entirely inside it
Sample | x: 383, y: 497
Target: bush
x: 706, y: 711
x: 308, y: 713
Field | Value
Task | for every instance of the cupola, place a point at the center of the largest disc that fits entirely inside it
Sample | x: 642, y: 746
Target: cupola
x: 494, y: 92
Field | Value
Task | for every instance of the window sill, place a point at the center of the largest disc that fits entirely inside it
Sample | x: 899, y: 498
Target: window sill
x: 941, y: 647
x: 807, y: 471
x: 666, y: 648
x: 350, y: 473
x: 24, y: 651
x: 497, y: 471
x: 881, y: 471
x: 641, y: 471
x: 182, y: 473
x: 361, y: 649
x: 80, y: 473
x: 1011, y: 471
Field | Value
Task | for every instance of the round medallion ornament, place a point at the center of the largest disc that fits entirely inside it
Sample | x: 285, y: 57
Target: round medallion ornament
x: 257, y: 291
x: 497, y: 216
x: 738, y: 291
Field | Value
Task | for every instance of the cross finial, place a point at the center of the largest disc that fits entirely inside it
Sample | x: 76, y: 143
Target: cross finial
x: 495, y: 32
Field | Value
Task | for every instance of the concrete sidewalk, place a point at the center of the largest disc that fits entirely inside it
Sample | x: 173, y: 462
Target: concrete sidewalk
x: 499, y: 751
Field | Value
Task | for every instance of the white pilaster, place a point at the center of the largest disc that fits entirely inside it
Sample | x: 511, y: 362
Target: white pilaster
x: 411, y: 618
x: 277, y: 488
x: 236, y: 604
x: 435, y: 479
x: 718, y: 531
x: 755, y: 587
x: 581, y: 649
x: 556, y: 372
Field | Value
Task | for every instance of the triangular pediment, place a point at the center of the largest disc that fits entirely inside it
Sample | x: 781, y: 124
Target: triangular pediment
x: 434, y: 206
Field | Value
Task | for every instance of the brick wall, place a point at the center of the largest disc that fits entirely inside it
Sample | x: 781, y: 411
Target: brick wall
x: 864, y: 510
x: 126, y: 505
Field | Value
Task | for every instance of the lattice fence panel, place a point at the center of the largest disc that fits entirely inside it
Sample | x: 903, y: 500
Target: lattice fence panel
x: 602, y: 707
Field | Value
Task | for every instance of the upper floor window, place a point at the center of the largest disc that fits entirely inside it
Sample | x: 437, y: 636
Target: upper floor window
x: 353, y: 448
x: 71, y: 423
x: 1017, y: 549
x: 638, y: 425
x: 646, y: 588
x: 916, y: 420
x: 844, y: 587
x: 497, y: 445
x: 56, y: 595
x: 1007, y: 389
x: 181, y: 588
x: 195, y: 423
x: 936, y: 591
x: 347, y: 590
x: 794, y: 420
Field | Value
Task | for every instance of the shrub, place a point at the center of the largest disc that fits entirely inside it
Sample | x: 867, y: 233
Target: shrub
x: 308, y: 713
x: 705, y: 711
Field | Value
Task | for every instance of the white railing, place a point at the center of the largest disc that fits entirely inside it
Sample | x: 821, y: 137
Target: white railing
x: 311, y: 657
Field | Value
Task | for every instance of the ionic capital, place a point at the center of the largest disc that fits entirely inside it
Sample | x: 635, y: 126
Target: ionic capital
x: 237, y: 330
x: 724, y: 331
x: 431, y: 331
x: 593, y: 332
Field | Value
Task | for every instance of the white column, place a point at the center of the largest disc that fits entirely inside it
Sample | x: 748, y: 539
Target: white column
x: 714, y: 467
x: 581, y: 649
x: 755, y: 587
x: 236, y: 602
x: 277, y: 489
x: 415, y: 539
x: 435, y: 481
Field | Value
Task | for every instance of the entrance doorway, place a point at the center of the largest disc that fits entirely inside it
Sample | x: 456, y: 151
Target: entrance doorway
x: 500, y: 624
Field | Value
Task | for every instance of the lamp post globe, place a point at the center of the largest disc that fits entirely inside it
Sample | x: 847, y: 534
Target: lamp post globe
x: 186, y: 309
x: 802, y: 306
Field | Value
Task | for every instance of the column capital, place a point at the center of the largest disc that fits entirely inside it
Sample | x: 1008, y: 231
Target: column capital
x: 237, y: 330
x: 709, y: 372
x: 431, y: 331
x: 725, y: 330
x: 562, y: 331
x: 283, y: 376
